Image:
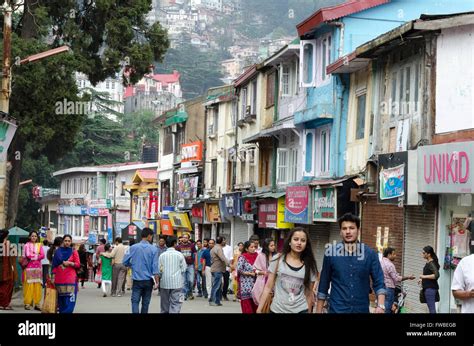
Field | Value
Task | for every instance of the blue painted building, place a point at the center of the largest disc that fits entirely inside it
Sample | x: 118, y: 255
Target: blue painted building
x: 326, y: 36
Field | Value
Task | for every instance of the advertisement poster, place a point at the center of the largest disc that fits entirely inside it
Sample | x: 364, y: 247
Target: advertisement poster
x: 392, y: 182
x: 325, y: 204
x: 187, y: 191
x: 297, y: 204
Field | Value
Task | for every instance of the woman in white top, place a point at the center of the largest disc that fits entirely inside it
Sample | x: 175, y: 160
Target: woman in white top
x: 293, y: 275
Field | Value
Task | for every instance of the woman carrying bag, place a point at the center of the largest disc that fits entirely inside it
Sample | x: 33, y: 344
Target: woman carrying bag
x: 293, y: 275
x: 65, y: 263
x: 32, y: 272
x: 429, y: 293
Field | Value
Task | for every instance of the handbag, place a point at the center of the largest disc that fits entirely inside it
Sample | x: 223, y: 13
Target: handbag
x: 422, y: 296
x: 268, y: 302
x: 24, y: 262
x: 50, y: 302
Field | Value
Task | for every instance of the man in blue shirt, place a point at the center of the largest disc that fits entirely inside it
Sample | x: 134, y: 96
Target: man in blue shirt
x: 143, y: 258
x: 348, y: 267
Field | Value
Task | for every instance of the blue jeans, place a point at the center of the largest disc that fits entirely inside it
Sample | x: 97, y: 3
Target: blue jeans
x: 198, y: 282
x: 389, y: 298
x: 430, y: 296
x: 141, y: 290
x: 188, y: 280
x: 216, y: 292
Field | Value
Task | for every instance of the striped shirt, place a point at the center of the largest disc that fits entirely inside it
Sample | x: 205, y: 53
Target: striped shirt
x: 172, y: 265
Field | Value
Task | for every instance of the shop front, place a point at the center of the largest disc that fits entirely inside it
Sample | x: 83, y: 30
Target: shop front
x: 231, y: 206
x: 271, y: 220
x: 446, y: 170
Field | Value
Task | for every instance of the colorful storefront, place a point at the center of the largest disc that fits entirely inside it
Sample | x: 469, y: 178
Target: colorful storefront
x: 271, y: 219
x: 446, y: 170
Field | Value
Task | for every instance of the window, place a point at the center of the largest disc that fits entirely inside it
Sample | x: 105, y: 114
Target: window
x: 243, y: 103
x: 360, y: 122
x: 81, y: 186
x: 287, y: 165
x: 235, y: 110
x: 322, y: 151
x: 74, y: 191
x: 309, y: 153
x: 243, y: 160
x: 122, y: 188
x: 87, y: 186
x: 405, y: 89
x: 308, y: 49
x: 111, y: 186
x: 168, y: 141
x: 113, y: 85
x: 77, y: 225
x: 323, y: 48
x: 94, y: 188
x: 285, y: 80
x: 254, y: 97
x: 214, y: 173
x: 107, y: 85
x: 271, y: 89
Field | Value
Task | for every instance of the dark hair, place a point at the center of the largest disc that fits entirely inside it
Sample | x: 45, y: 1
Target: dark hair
x: 266, y: 248
x: 67, y: 236
x: 29, y: 236
x: 307, y: 256
x: 131, y: 242
x: 246, y: 246
x: 240, y: 243
x: 212, y: 240
x: 429, y: 250
x: 107, y: 247
x: 3, y: 234
x: 118, y: 240
x: 56, y: 243
x: 349, y: 217
x: 45, y: 242
x: 199, y: 241
x: 219, y: 240
x: 161, y: 236
x: 103, y: 241
x: 388, y: 251
x: 206, y: 239
x: 254, y: 237
x: 171, y: 241
x: 82, y: 248
x: 146, y: 232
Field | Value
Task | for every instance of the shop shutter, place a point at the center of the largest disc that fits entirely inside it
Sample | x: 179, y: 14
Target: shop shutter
x: 420, y: 226
x: 241, y: 231
x: 319, y: 235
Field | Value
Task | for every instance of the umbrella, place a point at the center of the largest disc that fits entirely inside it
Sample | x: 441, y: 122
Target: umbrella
x: 15, y: 233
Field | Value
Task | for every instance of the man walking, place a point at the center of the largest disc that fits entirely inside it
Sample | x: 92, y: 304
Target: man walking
x: 463, y: 284
x: 348, y: 267
x: 119, y: 271
x: 199, y: 267
x: 189, y: 251
x: 143, y: 258
x: 161, y: 245
x: 391, y: 277
x: 172, y: 266
x: 219, y: 262
x: 206, y: 267
x: 229, y: 254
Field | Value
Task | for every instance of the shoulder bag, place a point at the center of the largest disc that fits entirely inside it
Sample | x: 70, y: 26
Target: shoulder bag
x: 269, y: 300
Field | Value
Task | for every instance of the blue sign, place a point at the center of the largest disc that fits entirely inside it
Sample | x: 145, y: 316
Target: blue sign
x: 110, y: 236
x: 94, y: 211
x: 92, y: 238
x: 84, y: 210
x: 231, y: 204
x: 392, y: 182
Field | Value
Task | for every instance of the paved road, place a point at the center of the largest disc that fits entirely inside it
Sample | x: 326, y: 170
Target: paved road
x: 90, y: 300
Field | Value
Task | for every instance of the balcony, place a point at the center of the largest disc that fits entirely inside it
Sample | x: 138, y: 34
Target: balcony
x: 251, y: 118
x: 211, y: 131
x: 231, y: 132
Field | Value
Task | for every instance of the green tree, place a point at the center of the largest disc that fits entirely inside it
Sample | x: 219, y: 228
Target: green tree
x: 104, y: 36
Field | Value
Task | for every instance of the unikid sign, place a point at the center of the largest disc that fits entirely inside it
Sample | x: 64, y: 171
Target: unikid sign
x: 446, y: 168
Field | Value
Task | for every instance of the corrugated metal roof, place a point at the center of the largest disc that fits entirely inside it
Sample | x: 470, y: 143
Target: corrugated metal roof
x: 334, y: 12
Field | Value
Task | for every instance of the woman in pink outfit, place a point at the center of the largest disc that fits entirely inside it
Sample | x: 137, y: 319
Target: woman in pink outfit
x: 261, y: 265
x: 33, y: 273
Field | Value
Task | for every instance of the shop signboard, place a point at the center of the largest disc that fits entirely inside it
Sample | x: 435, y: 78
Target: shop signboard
x: 281, y: 224
x: 325, y: 204
x: 232, y: 203
x: 197, y: 214
x: 187, y: 191
x: 249, y: 211
x: 191, y: 152
x: 180, y: 220
x: 392, y: 182
x: 165, y: 227
x: 213, y: 212
x: 267, y: 213
x: 446, y: 168
x: 297, y: 204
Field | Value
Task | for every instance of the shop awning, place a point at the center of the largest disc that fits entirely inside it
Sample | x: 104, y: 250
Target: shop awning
x: 276, y: 128
x: 328, y: 182
x: 188, y: 170
x: 179, y: 117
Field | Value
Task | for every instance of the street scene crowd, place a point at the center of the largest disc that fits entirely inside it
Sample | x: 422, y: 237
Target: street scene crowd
x: 254, y: 273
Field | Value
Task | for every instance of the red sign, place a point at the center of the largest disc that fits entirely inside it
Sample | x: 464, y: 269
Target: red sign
x: 268, y: 213
x: 153, y: 205
x: 297, y: 199
x: 166, y: 227
x: 103, y: 212
x: 197, y: 212
x: 86, y: 225
x: 191, y: 152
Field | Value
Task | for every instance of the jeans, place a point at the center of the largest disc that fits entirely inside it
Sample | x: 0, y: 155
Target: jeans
x: 225, y: 287
x: 430, y: 296
x: 203, y: 287
x: 188, y: 279
x: 141, y: 289
x: 171, y: 300
x: 199, y: 282
x: 389, y: 298
x: 216, y: 293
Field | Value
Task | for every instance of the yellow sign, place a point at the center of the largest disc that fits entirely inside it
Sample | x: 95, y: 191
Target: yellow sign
x: 180, y: 220
x: 281, y: 215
